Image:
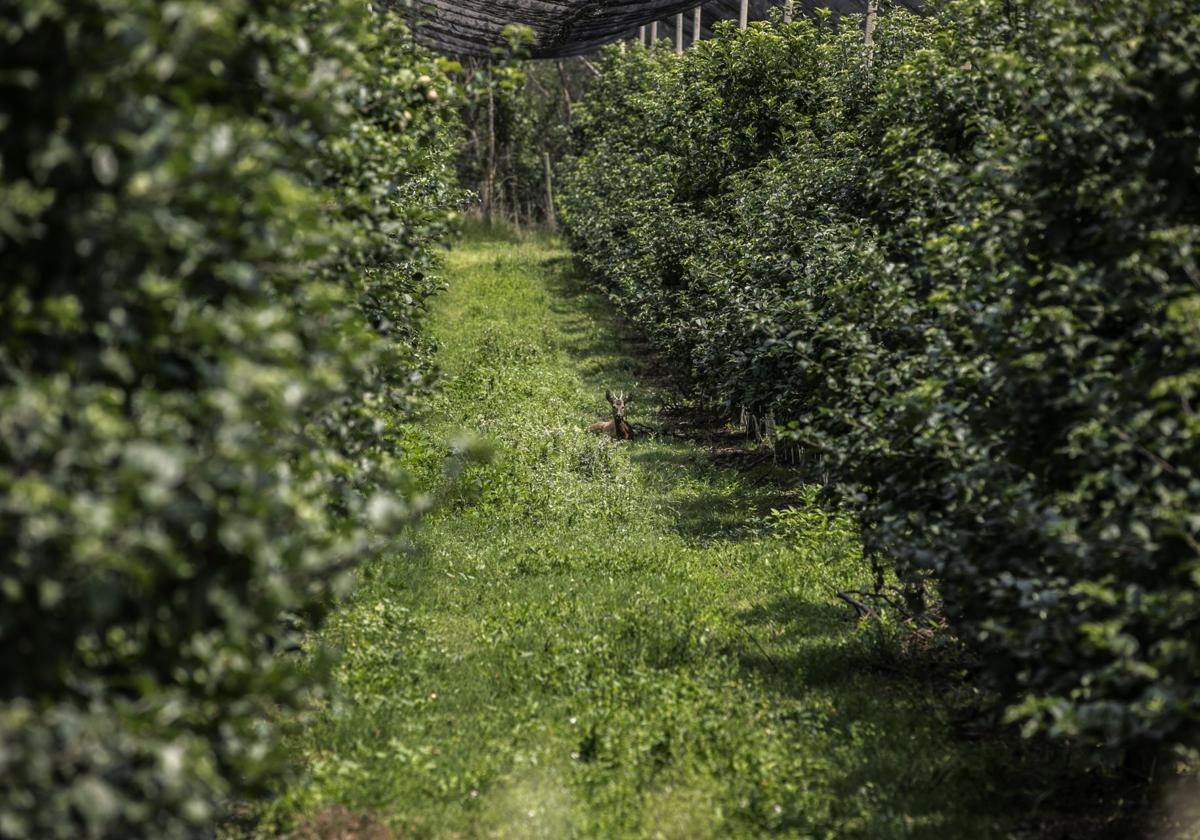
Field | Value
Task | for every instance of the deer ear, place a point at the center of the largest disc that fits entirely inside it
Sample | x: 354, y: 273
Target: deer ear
x: 608, y: 395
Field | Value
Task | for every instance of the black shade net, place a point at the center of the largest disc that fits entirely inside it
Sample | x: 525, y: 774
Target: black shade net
x: 574, y: 27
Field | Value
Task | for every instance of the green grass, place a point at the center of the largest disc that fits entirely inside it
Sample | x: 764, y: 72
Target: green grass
x: 602, y: 639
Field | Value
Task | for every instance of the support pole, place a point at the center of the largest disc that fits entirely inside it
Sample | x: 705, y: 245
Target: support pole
x: 551, y: 221
x: 788, y: 7
x: 654, y: 33
x: 679, y: 34
x: 642, y: 35
x: 744, y: 14
x: 696, y: 26
x: 869, y: 26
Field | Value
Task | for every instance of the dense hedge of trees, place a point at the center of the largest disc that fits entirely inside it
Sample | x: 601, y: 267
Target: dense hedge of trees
x: 217, y: 222
x: 963, y: 265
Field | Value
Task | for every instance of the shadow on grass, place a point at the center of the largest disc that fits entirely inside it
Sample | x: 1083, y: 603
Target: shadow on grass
x: 728, y: 507
x: 1031, y: 787
x: 601, y: 344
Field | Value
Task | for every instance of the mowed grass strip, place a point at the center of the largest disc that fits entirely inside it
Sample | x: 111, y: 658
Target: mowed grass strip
x: 601, y: 639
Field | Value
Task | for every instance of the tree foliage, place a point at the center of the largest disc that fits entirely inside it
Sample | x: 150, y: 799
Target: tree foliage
x: 516, y: 116
x: 216, y: 228
x: 962, y: 265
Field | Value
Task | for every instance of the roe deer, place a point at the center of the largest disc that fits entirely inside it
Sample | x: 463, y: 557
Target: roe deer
x: 618, y: 426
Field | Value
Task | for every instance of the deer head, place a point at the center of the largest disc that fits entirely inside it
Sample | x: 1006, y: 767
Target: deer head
x: 617, y: 401
x: 620, y: 428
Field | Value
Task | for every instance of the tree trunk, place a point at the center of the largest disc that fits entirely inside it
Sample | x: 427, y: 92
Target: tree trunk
x: 488, y: 198
x: 566, y: 91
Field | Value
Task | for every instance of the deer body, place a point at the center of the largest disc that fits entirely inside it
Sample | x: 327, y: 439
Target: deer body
x: 618, y: 427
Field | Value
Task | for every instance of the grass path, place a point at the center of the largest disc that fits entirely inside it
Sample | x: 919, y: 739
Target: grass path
x: 603, y: 639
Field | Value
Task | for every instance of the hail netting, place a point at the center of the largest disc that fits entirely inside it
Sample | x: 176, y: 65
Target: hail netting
x: 573, y: 27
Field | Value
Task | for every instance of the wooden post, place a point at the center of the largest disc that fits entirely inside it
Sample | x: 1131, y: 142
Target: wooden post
x: 642, y: 35
x: 654, y: 33
x: 744, y: 14
x: 551, y: 220
x: 696, y: 26
x: 788, y: 6
x: 679, y: 34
